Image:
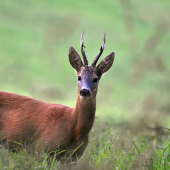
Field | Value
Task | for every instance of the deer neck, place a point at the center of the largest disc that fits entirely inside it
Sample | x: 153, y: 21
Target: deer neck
x: 84, y: 115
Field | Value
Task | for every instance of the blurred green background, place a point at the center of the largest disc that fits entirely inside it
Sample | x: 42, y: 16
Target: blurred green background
x: 35, y: 37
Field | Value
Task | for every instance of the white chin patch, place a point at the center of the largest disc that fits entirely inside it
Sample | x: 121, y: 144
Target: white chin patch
x: 84, y: 97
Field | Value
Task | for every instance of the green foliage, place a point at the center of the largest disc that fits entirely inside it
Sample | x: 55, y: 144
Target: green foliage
x: 133, y: 98
x: 110, y: 149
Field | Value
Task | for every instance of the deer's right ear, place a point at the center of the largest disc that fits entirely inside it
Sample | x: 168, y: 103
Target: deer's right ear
x: 75, y: 59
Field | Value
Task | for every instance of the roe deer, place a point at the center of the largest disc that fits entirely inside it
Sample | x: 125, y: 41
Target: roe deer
x: 56, y: 127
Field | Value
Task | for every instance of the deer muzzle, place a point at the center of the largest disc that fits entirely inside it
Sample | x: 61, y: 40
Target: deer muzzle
x: 85, y: 92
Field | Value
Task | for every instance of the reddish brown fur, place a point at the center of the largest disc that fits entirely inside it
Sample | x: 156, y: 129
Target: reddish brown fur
x: 22, y: 118
x: 54, y: 126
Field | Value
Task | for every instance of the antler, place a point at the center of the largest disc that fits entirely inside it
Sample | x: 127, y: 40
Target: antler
x: 82, y: 50
x: 101, y: 51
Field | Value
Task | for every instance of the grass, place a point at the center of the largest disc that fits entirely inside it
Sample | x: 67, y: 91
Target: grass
x: 133, y: 98
x: 116, y: 146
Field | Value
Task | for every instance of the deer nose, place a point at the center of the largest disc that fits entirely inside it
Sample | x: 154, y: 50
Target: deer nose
x: 85, y: 92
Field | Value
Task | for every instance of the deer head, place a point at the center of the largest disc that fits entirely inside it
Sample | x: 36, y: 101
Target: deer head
x: 88, y: 76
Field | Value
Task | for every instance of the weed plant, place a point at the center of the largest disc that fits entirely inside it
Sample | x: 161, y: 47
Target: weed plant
x: 131, y: 129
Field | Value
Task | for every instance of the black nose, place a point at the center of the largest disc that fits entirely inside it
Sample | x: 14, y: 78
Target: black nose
x: 84, y: 92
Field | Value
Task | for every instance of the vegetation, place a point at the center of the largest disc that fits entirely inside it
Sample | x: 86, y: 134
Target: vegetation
x: 132, y: 123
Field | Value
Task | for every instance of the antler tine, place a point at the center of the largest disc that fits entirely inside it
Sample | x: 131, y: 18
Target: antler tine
x: 82, y: 50
x: 101, y: 51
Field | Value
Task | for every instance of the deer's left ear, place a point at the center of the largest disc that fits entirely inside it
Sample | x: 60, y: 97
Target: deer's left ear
x: 106, y: 63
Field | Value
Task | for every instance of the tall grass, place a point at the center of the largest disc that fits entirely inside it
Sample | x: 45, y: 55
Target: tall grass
x: 133, y: 98
x: 112, y: 146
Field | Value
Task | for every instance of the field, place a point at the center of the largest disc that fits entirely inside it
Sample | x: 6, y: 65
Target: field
x: 131, y: 129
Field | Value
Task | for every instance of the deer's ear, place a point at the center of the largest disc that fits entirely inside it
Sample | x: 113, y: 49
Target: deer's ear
x: 75, y: 59
x: 106, y: 63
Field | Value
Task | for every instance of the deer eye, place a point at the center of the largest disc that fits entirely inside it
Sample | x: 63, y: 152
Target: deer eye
x: 95, y: 81
x: 79, y: 78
